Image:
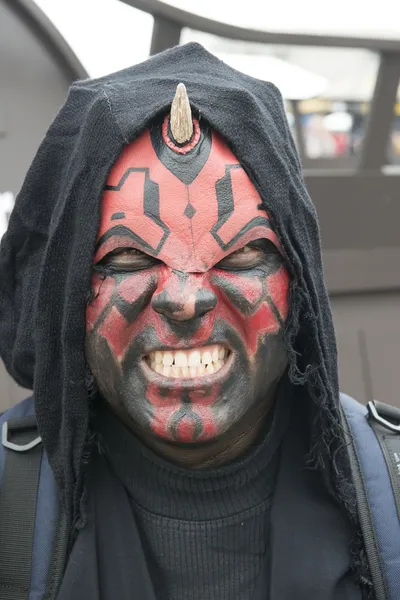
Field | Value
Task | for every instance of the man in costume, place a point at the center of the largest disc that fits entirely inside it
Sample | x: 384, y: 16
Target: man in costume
x: 163, y: 295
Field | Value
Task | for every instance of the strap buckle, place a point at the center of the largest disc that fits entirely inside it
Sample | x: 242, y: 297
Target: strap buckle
x: 374, y: 414
x: 20, y: 425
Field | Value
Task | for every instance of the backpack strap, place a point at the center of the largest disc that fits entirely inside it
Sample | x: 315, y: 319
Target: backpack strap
x: 18, y: 501
x: 374, y: 446
x: 385, y: 421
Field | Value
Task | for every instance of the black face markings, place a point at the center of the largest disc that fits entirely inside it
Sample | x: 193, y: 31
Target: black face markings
x: 236, y: 297
x: 189, y: 211
x: 205, y: 301
x: 256, y: 222
x: 118, y: 215
x: 131, y: 310
x: 275, y: 310
x: 122, y: 231
x: 185, y: 167
x: 185, y: 412
x: 164, y: 304
x: 180, y: 305
x: 223, y: 187
x: 226, y: 206
x: 151, y: 208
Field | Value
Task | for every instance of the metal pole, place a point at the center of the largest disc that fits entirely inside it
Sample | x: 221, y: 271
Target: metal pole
x: 166, y: 34
x: 374, y: 148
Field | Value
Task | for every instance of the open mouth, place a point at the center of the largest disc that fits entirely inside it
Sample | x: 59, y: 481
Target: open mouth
x: 196, y: 362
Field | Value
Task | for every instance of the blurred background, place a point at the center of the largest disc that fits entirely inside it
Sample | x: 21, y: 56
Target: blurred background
x: 338, y: 67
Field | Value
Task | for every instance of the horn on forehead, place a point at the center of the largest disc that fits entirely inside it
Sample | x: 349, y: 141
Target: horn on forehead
x: 181, y: 122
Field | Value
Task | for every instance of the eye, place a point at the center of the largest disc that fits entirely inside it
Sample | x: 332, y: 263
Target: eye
x: 253, y: 255
x: 126, y: 260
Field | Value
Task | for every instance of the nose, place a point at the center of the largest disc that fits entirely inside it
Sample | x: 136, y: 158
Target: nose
x: 183, y: 296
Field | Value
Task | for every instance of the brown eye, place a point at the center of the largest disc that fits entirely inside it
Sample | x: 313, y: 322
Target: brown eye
x: 245, y: 258
x: 257, y: 253
x: 125, y: 260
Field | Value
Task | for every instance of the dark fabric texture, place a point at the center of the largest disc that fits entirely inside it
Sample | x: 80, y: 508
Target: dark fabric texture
x: 46, y: 254
x: 311, y: 536
x: 309, y: 543
x: 18, y: 501
x: 205, y: 533
x: 107, y: 560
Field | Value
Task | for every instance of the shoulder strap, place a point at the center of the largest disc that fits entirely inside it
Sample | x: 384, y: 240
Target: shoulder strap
x: 18, y: 500
x: 385, y: 421
x: 374, y: 450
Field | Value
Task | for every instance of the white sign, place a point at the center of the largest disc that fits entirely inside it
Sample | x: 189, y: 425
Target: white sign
x: 6, y: 205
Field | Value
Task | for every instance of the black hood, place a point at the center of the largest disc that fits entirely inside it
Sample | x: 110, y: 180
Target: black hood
x: 46, y: 254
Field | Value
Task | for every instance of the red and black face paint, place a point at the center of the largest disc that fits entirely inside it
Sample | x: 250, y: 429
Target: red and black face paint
x: 185, y: 329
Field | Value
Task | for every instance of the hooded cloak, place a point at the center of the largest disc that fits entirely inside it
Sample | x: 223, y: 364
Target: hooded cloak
x: 46, y: 255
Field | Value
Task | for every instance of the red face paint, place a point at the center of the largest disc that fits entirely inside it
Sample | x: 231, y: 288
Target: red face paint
x: 184, y: 283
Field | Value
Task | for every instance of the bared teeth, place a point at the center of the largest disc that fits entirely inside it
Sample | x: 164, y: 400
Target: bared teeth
x: 168, y: 359
x: 194, y: 358
x: 206, y: 358
x: 200, y: 370
x: 189, y: 363
x: 180, y: 359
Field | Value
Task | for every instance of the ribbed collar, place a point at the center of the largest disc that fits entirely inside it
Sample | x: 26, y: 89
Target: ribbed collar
x: 192, y: 494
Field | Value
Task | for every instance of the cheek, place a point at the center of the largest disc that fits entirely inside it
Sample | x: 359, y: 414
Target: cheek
x: 256, y: 305
x: 278, y: 289
x: 117, y: 305
x: 103, y: 288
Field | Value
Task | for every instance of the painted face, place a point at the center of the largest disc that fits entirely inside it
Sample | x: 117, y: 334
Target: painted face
x: 185, y: 329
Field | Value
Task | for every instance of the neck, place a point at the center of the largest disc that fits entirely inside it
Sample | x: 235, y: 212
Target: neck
x: 233, y: 444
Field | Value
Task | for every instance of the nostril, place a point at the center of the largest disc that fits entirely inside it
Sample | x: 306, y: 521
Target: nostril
x: 164, y: 305
x: 188, y: 307
x: 206, y: 300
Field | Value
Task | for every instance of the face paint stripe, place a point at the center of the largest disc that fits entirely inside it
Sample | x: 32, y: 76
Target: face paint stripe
x: 160, y: 419
x: 112, y: 329
x: 185, y: 167
x: 131, y: 310
x: 226, y: 207
x: 274, y: 309
x: 185, y: 425
x: 118, y: 215
x: 245, y: 291
x: 151, y: 205
x: 121, y: 230
x: 256, y: 222
x: 278, y: 287
x: 236, y: 296
x: 103, y: 313
x: 223, y: 188
x: 118, y: 187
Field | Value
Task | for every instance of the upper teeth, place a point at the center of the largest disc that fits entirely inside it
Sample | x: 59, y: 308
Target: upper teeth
x: 189, y: 363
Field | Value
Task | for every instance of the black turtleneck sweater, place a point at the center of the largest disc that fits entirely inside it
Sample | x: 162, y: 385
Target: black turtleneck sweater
x: 205, y: 533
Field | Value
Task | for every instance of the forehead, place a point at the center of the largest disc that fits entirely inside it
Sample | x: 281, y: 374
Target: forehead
x: 187, y: 210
